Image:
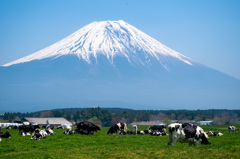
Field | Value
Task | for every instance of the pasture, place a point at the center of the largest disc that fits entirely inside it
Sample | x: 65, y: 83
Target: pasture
x: 101, y: 145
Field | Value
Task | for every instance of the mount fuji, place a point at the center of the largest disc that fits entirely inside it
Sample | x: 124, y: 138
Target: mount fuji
x: 113, y: 64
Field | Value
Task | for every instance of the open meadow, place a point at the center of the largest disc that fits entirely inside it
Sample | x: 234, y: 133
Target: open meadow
x: 101, y: 145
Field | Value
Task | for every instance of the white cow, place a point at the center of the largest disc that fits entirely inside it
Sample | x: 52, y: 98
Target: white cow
x: 188, y: 133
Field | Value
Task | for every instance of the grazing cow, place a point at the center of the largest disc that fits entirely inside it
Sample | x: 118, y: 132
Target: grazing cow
x: 134, y: 129
x: 86, y: 127
x: 232, y: 129
x: 212, y: 133
x: 68, y: 132
x: 192, y: 134
x: 5, y: 135
x: 119, y: 128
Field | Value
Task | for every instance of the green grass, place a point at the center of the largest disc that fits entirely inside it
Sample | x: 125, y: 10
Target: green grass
x: 101, y: 145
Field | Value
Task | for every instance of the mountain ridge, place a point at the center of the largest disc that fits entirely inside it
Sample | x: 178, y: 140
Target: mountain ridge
x: 109, y: 38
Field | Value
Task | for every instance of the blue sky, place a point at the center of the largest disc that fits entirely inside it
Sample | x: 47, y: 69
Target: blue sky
x: 207, y: 31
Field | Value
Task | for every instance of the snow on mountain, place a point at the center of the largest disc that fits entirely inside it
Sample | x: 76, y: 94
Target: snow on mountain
x: 109, y: 38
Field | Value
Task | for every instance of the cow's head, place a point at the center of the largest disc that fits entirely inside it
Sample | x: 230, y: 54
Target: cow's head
x: 204, y: 139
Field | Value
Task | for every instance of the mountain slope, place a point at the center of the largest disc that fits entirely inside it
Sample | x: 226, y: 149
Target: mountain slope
x: 111, y: 39
x: 113, y: 64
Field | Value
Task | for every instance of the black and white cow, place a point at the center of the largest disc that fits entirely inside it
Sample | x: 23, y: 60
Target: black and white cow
x: 49, y: 131
x: 188, y: 133
x: 232, y: 129
x: 86, y: 127
x: 119, y: 128
x: 5, y: 135
x: 212, y: 133
x: 161, y: 128
x: 27, y: 128
x: 135, y: 129
x: 158, y: 133
x: 38, y: 134
x: 68, y: 132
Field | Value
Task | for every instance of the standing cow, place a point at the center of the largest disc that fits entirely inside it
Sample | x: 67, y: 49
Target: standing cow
x: 119, y: 128
x: 86, y: 127
x: 188, y: 133
x: 28, y: 128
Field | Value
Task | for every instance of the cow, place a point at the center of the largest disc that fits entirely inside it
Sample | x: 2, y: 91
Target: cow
x: 86, y: 127
x: 158, y: 133
x: 134, y: 129
x: 0, y: 140
x: 38, y: 134
x: 212, y: 133
x: 27, y: 128
x: 68, y: 132
x: 5, y: 135
x: 232, y: 129
x: 119, y: 128
x: 24, y: 133
x: 147, y: 131
x: 186, y: 133
x: 49, y: 131
x: 59, y: 127
x: 140, y: 132
x: 161, y: 128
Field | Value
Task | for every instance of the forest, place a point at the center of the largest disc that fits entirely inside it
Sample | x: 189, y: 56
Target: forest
x: 109, y: 116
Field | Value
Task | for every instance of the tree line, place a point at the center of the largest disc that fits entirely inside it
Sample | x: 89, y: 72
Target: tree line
x: 109, y: 116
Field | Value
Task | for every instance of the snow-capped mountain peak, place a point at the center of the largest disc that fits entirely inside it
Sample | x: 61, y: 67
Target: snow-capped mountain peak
x: 109, y: 38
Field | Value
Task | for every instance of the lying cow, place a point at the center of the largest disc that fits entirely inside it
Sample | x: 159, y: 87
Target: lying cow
x: 5, y: 135
x: 212, y: 133
x: 68, y: 132
x: 161, y: 128
x: 38, y: 134
x: 86, y: 127
x: 158, y: 133
x: 119, y: 128
x: 232, y: 129
x: 24, y: 133
x: 189, y: 133
x: 140, y: 132
x: 50, y: 132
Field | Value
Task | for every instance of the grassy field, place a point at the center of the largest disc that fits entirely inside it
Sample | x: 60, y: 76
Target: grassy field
x: 101, y: 145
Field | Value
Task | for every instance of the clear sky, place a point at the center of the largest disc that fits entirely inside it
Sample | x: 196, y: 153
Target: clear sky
x: 207, y: 31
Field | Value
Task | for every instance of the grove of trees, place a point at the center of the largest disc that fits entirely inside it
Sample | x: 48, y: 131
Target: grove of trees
x: 109, y: 116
